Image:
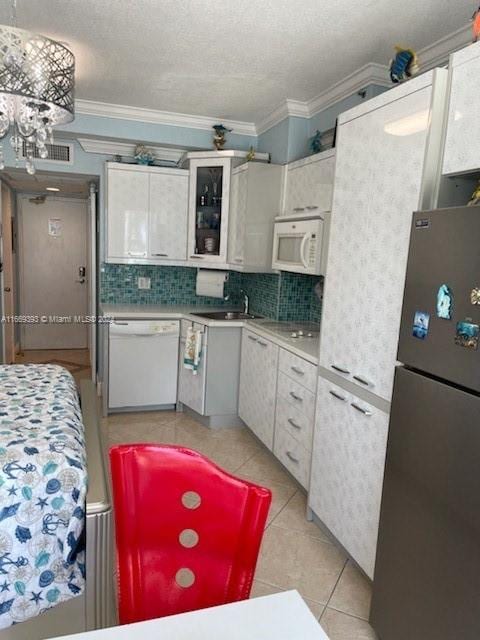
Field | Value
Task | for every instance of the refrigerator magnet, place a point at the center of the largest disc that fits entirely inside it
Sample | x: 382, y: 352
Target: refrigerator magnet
x: 467, y: 334
x: 421, y: 321
x: 444, y: 302
x: 475, y: 295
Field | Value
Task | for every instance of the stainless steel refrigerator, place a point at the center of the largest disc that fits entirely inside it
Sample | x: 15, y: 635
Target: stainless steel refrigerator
x: 427, y: 571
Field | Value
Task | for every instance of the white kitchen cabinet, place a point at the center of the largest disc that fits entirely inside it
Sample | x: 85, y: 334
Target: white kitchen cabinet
x: 309, y: 184
x: 208, y: 209
x: 146, y: 214
x: 213, y: 391
x: 254, y: 202
x: 258, y: 385
x: 378, y: 184
x: 168, y: 193
x: 127, y: 213
x: 347, y: 471
x: 462, y: 148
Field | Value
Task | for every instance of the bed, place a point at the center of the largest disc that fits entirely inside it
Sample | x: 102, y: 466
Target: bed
x: 55, y: 531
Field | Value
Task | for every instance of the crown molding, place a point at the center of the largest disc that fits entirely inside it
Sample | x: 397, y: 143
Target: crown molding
x: 153, y: 116
x: 438, y: 53
x: 372, y: 73
x: 127, y: 149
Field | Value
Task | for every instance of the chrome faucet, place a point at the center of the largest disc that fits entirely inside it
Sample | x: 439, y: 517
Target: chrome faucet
x: 246, y: 301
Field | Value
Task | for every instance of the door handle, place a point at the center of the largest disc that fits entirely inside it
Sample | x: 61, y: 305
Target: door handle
x: 81, y: 281
x: 296, y: 397
x: 298, y: 371
x: 7, y: 289
x: 294, y: 424
x: 361, y: 409
x: 292, y: 457
x: 363, y: 381
x: 338, y: 396
x: 340, y: 369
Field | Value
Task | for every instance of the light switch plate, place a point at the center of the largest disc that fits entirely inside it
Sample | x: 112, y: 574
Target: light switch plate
x: 143, y: 283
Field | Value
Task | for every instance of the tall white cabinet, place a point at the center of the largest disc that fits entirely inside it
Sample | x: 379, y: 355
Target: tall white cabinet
x: 385, y: 151
x: 462, y: 148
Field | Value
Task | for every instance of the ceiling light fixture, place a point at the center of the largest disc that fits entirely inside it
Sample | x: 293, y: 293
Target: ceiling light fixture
x: 52, y: 189
x: 37, y: 78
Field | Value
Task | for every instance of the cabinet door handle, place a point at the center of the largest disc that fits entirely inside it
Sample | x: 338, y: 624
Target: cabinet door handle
x: 137, y: 254
x: 292, y: 457
x: 363, y: 381
x: 361, y: 409
x: 196, y: 258
x: 297, y: 370
x: 299, y: 208
x: 341, y: 369
x: 123, y: 324
x: 338, y: 396
x: 296, y: 397
x: 160, y: 255
x: 311, y: 207
x: 262, y: 344
x: 252, y: 338
x: 238, y: 260
x: 294, y: 424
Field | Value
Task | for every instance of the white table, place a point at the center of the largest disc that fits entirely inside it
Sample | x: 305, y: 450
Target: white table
x: 282, y: 616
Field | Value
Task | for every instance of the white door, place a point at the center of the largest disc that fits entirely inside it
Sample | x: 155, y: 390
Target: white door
x: 168, y: 215
x: 127, y: 213
x: 7, y: 275
x: 52, y: 254
x: 258, y: 386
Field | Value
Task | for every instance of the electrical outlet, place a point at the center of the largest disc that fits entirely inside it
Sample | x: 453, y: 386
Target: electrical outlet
x: 143, y: 283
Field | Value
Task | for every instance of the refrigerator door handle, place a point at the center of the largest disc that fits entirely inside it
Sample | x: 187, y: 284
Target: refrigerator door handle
x: 365, y: 412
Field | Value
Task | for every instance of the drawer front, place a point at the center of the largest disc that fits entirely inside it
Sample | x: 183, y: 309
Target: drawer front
x: 298, y: 369
x: 293, y: 456
x: 296, y: 395
x: 290, y: 419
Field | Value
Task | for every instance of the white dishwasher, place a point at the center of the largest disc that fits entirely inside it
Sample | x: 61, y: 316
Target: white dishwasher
x: 143, y: 363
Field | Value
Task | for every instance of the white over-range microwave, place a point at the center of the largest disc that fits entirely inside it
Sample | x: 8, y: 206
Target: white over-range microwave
x: 300, y: 245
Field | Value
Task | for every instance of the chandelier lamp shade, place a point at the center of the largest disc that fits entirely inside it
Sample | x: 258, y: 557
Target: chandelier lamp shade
x: 37, y: 80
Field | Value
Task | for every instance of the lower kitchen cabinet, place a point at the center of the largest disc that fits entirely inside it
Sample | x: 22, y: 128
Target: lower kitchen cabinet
x: 347, y: 470
x: 213, y: 391
x: 258, y: 385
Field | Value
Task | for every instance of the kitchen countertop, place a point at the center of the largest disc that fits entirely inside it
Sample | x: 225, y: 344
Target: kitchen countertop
x: 304, y: 347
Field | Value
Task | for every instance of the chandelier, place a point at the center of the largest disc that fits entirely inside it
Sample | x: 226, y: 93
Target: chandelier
x: 36, y: 92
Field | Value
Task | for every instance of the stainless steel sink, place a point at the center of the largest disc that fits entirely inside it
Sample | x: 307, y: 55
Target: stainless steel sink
x: 228, y: 315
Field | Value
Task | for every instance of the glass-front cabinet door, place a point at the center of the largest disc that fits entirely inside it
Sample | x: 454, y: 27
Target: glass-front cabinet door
x: 208, y: 210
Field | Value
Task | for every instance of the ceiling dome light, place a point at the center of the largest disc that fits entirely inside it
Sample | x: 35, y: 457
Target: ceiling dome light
x: 37, y: 79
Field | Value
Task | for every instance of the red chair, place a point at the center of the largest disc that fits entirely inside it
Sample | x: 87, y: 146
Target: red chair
x: 187, y: 532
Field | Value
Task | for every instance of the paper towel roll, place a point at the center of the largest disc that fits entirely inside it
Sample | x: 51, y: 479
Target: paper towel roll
x: 211, y: 283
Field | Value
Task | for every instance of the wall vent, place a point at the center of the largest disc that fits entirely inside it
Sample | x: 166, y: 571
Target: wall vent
x: 56, y: 152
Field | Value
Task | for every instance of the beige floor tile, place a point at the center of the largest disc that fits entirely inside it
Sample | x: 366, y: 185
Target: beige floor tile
x: 353, y: 593
x: 260, y: 589
x: 340, y: 626
x: 263, y: 467
x: 294, y: 517
x: 291, y: 560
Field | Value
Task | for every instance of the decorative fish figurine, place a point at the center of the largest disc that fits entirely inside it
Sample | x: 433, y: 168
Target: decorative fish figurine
x: 475, y: 199
x: 476, y: 25
x: 404, y: 65
x: 316, y: 142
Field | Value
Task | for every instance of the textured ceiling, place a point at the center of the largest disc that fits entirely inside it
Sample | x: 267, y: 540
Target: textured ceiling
x: 235, y: 59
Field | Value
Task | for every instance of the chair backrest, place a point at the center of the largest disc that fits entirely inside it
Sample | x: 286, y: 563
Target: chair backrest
x: 187, y: 532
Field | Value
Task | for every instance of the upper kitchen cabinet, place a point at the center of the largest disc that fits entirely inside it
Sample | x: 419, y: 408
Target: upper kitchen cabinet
x: 462, y: 150
x: 254, y: 202
x: 309, y: 184
x: 383, y: 161
x: 208, y: 210
x: 146, y: 214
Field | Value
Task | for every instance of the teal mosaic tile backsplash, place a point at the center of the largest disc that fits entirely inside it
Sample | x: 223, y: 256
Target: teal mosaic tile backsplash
x: 285, y: 296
